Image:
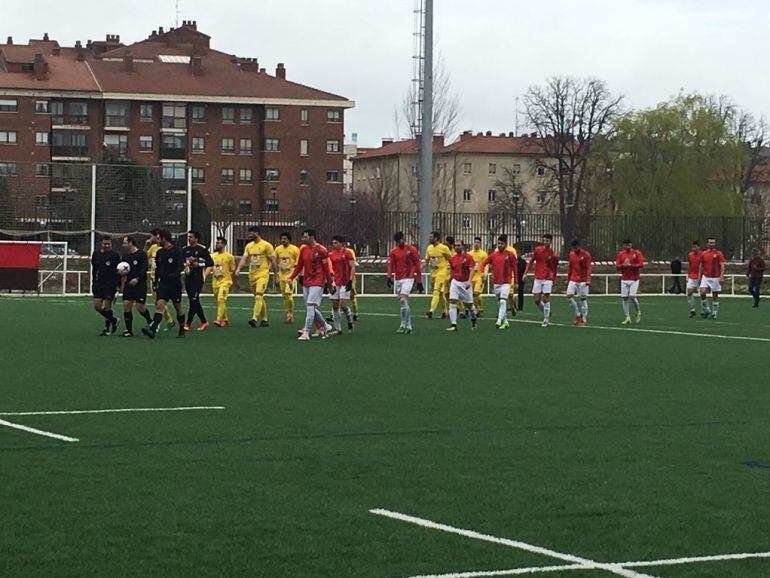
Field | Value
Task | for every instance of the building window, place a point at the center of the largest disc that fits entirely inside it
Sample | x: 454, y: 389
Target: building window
x: 173, y: 146
x: 145, y: 143
x: 116, y: 114
x: 198, y: 144
x: 228, y: 114
x: 42, y: 170
x: 7, y: 137
x: 272, y: 114
x: 415, y: 170
x: 492, y: 168
x: 333, y: 116
x: 7, y: 105
x: 466, y: 222
x: 227, y: 176
x: 174, y: 116
x: 247, y: 114
x: 332, y: 176
x: 41, y: 106
x: 467, y: 168
x: 7, y: 169
x: 116, y: 144
x: 69, y: 144
x: 226, y: 204
x: 271, y: 175
x: 245, y: 146
x: 271, y: 144
x: 540, y: 171
x: 492, y: 195
x: 244, y: 176
x: 145, y: 112
x: 303, y: 177
x: 271, y: 205
x: 304, y: 116
x: 228, y: 146
x: 198, y: 175
x: 467, y: 193
x: 198, y: 113
x: 303, y: 147
x: 244, y: 206
x: 174, y: 171
x: 332, y: 146
x: 515, y: 169
x: 41, y: 138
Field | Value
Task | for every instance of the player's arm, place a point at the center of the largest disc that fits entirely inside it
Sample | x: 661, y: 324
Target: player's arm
x: 513, y: 262
x: 588, y: 268
x: 532, y: 260
x: 352, y: 261
x: 639, y: 261
x: 298, y: 266
x: 555, y: 266
x: 241, y: 263
x: 619, y: 262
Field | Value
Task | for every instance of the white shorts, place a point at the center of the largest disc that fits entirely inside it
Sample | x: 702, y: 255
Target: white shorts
x: 461, y: 291
x: 312, y: 295
x: 404, y: 286
x: 340, y: 293
x: 578, y: 288
x: 711, y: 283
x: 629, y: 288
x: 503, y: 291
x: 692, y: 283
x: 542, y: 286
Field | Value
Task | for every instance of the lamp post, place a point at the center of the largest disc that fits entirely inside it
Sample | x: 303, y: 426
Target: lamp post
x: 352, y: 202
x: 516, y: 199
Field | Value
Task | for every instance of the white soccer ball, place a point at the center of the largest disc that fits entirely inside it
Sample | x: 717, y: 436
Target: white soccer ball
x: 123, y: 268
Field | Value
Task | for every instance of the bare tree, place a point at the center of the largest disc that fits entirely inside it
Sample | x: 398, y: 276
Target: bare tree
x: 510, y: 195
x: 383, y: 185
x: 443, y: 183
x: 752, y: 132
x: 568, y: 114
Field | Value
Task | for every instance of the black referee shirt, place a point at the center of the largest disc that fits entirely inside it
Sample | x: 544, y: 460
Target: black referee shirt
x: 104, y: 268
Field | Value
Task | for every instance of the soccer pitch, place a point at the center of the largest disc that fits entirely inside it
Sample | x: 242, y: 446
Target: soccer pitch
x: 560, y: 451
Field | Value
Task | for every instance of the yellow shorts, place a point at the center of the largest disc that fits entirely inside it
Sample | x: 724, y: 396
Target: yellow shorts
x: 478, y: 284
x: 258, y: 285
x: 440, y: 283
x: 285, y: 287
x: 221, y: 292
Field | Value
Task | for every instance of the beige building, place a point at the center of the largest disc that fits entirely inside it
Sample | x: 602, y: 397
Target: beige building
x: 478, y: 173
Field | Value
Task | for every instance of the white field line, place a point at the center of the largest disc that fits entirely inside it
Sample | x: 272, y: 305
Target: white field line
x: 572, y: 567
x: 585, y: 563
x: 38, y: 431
x: 126, y: 410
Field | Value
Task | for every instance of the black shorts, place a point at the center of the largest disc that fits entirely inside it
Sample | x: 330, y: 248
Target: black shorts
x: 193, y: 288
x: 104, y: 291
x: 169, y: 292
x: 137, y: 293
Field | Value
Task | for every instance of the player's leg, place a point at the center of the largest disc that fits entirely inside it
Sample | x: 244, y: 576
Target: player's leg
x: 691, y: 296
x: 128, y: 317
x: 354, y: 300
x: 704, y: 302
x: 714, y: 303
x: 571, y: 289
x: 336, y: 313
x: 466, y: 298
x: 260, y: 308
x: 502, y: 300
x: 635, y: 301
x: 177, y: 301
x: 435, y: 299
x: 583, y: 292
x: 478, y: 287
x: 624, y: 295
x: 546, y: 301
x: 288, y: 300
x: 345, y: 308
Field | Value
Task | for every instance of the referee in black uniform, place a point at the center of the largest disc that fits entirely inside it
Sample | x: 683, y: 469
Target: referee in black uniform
x: 168, y: 271
x: 196, y: 260
x: 104, y: 283
x: 134, y: 285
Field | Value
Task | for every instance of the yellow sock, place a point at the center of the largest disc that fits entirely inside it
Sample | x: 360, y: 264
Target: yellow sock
x: 167, y: 316
x: 435, y: 300
x: 263, y: 311
x: 354, y: 305
x: 477, y: 302
x: 259, y: 303
x: 288, y: 305
x: 443, y: 303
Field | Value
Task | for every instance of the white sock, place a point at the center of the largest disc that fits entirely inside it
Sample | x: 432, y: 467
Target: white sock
x: 704, y: 304
x: 716, y: 306
x: 309, y: 316
x: 584, y: 308
x: 501, y: 310
x: 574, y: 306
x: 625, y: 307
x: 546, y: 311
x: 471, y: 309
x: 635, y: 301
x: 453, y: 314
x: 540, y: 305
x: 348, y: 314
x: 336, y: 317
x: 691, y: 302
x: 320, y: 319
x: 404, y: 310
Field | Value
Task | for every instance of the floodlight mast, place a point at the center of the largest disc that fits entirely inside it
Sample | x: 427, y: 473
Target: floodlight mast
x: 425, y: 191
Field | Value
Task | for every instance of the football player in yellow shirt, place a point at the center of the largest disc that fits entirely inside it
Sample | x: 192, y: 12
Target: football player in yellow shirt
x: 222, y: 278
x: 437, y: 260
x: 479, y: 275
x: 286, y: 256
x: 151, y: 247
x: 261, y: 258
x: 511, y: 301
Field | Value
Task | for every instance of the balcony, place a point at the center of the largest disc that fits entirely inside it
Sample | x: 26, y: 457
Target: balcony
x: 69, y: 120
x: 116, y: 121
x: 173, y: 153
x: 174, y: 122
x: 70, y: 151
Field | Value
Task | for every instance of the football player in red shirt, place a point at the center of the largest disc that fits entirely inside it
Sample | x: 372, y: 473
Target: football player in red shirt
x: 579, y: 281
x: 404, y: 264
x: 693, y: 275
x: 546, y: 262
x: 313, y: 265
x: 344, y: 268
x: 630, y: 262
x: 504, y: 270
x: 462, y: 266
x: 712, y: 268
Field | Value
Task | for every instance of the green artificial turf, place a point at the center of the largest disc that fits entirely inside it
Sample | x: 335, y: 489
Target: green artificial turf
x: 602, y: 442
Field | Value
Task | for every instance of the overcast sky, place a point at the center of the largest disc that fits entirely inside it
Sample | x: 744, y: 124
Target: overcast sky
x: 646, y: 50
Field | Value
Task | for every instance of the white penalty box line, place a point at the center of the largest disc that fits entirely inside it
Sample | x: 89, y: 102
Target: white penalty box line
x: 69, y: 439
x: 576, y: 562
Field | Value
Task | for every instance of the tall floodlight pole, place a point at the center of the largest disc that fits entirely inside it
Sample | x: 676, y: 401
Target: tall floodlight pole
x: 426, y: 134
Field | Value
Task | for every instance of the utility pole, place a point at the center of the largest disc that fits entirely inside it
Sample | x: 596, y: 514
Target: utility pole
x: 426, y: 135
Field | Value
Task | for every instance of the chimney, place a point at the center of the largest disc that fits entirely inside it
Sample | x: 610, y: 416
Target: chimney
x: 196, y: 64
x: 467, y: 135
x: 533, y: 135
x: 387, y: 141
x: 40, y: 67
x: 511, y: 134
x: 128, y: 61
x: 45, y: 37
x: 249, y: 65
x: 10, y: 40
x: 263, y: 70
x: 190, y: 24
x: 280, y: 71
x: 438, y: 140
x: 489, y: 133
x: 160, y: 30
x: 80, y: 55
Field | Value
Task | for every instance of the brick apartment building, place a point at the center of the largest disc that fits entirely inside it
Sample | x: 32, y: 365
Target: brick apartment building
x: 253, y: 141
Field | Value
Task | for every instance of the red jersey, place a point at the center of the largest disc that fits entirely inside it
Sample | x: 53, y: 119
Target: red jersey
x: 503, y: 267
x: 579, y: 269
x: 462, y: 265
x: 312, y: 264
x: 404, y: 262
x: 693, y: 260
x: 712, y: 262
x: 342, y: 263
x: 546, y: 263
x: 633, y: 270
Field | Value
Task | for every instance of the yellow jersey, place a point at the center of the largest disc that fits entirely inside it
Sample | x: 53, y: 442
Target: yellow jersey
x: 511, y: 249
x: 479, y: 257
x: 224, y: 267
x: 438, y: 259
x: 259, y: 253
x: 287, y: 257
x: 150, y: 252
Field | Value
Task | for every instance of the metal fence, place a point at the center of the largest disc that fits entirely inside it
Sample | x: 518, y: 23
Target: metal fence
x: 75, y: 202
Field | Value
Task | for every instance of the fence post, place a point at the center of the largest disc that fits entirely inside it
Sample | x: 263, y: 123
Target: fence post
x: 64, y: 269
x: 189, y: 199
x: 93, y: 209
